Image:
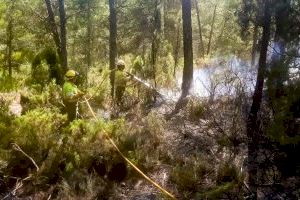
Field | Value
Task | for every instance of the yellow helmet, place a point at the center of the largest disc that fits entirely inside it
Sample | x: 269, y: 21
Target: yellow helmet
x: 120, y: 63
x: 71, y: 74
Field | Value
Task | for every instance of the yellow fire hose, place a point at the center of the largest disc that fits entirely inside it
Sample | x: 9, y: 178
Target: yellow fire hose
x: 164, y: 191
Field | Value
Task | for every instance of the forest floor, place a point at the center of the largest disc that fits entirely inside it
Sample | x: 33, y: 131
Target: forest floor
x: 192, y: 148
x: 185, y: 152
x: 198, y: 152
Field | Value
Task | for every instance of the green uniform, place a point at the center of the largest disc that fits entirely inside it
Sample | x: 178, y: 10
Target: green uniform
x: 120, y: 83
x: 70, y: 92
x: 120, y: 78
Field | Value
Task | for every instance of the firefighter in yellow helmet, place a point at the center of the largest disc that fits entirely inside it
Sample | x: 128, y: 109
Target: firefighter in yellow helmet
x: 71, y: 94
x: 121, y: 80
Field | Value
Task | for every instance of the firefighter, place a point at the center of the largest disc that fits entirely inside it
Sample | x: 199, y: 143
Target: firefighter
x: 71, y: 94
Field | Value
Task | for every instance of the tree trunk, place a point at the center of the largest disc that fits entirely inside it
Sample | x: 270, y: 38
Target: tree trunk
x: 154, y: 50
x: 211, y: 30
x: 254, y: 45
x: 177, y: 46
x: 9, y: 32
x: 156, y: 35
x: 112, y: 43
x: 201, y: 45
x: 162, y: 17
x: 252, y: 123
x: 54, y: 31
x: 63, y: 34
x: 89, y: 35
x: 187, y: 77
x: 89, y: 41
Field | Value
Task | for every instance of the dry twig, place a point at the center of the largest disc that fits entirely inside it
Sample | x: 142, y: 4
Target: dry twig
x: 18, y: 148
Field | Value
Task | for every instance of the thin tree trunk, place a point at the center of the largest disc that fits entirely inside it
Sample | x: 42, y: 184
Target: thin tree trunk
x: 157, y: 31
x: 211, y: 31
x: 154, y: 49
x: 51, y: 21
x: 9, y: 32
x: 223, y: 28
x: 144, y: 50
x: 63, y: 34
x: 112, y: 43
x: 73, y: 49
x: 89, y: 41
x: 177, y: 46
x: 254, y: 45
x: 187, y: 77
x: 201, y: 45
x: 89, y: 35
x: 252, y: 123
x: 162, y: 17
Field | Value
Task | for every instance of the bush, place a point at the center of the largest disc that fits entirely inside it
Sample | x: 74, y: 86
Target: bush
x: 229, y: 184
x: 38, y: 129
x: 196, y: 110
x: 191, y: 175
x: 50, y: 97
x: 5, y: 119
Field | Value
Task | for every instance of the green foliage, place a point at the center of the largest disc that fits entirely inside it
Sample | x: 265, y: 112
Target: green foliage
x: 193, y: 174
x: 38, y: 129
x: 99, y: 86
x: 49, y: 97
x: 184, y: 177
x: 40, y: 75
x: 218, y: 192
x: 83, y: 135
x: 137, y: 142
x: 138, y: 66
x: 45, y: 67
x: 5, y: 120
x: 228, y: 173
x: 282, y: 127
x: 37, y: 132
x: 6, y: 83
x: 196, y: 110
x: 229, y: 184
x: 148, y: 41
x: 58, y: 150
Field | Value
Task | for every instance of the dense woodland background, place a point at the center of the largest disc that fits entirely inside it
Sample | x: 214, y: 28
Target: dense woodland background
x: 222, y: 123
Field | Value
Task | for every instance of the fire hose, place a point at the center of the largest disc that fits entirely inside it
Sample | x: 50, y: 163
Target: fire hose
x: 164, y: 191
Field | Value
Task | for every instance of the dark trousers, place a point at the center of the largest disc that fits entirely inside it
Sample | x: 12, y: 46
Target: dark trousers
x: 119, y: 94
x: 70, y: 109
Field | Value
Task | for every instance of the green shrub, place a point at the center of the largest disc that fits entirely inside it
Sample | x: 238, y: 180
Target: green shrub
x: 228, y: 173
x: 229, y: 184
x: 38, y: 129
x: 99, y: 86
x: 50, y: 97
x: 191, y: 174
x: 218, y: 192
x: 196, y: 110
x: 185, y: 177
x: 5, y: 120
x: 8, y: 84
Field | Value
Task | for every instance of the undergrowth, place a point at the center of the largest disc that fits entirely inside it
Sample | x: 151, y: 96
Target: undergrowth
x: 77, y: 161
